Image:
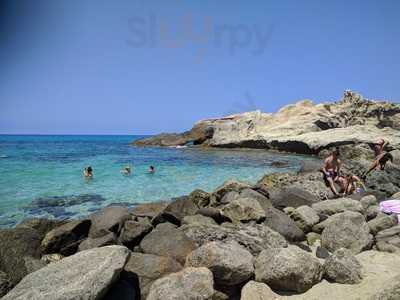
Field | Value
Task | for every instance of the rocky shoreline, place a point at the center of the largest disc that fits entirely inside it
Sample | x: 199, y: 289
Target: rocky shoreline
x: 282, y: 238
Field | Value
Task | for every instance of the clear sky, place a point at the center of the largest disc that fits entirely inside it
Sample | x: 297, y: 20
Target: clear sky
x: 142, y: 67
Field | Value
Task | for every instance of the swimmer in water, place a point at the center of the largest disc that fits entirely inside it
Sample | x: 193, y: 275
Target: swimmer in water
x: 152, y: 170
x: 88, y: 172
x: 126, y: 170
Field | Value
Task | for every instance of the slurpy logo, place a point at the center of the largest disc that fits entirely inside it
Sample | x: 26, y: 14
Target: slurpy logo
x: 204, y: 35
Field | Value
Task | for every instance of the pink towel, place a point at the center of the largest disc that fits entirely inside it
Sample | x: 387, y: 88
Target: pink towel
x: 391, y: 207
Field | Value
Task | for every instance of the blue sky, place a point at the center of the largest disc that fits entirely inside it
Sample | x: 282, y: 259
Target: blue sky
x: 142, y: 67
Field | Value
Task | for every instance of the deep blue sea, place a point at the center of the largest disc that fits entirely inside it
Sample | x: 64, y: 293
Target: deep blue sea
x: 41, y: 176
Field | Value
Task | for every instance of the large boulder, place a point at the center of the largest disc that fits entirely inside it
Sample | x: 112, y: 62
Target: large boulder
x: 343, y: 267
x: 305, y: 217
x: 107, y: 240
x: 66, y: 238
x: 347, y: 230
x: 148, y: 210
x: 149, y: 267
x: 165, y: 240
x: 190, y: 283
x: 16, y: 245
x: 261, y: 198
x: 230, y: 263
x: 391, y: 290
x: 244, y: 210
x: 198, y: 219
x: 293, y: 196
x: 108, y: 219
x: 382, y: 223
x: 254, y: 290
x: 134, y: 231
x: 85, y: 275
x: 228, y: 186
x: 200, y: 198
x: 254, y: 238
x: 282, y: 223
x: 334, y: 206
x: 176, y: 211
x: 288, y: 269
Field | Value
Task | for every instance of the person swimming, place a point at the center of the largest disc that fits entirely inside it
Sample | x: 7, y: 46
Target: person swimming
x: 126, y: 170
x: 88, y: 172
x: 152, y: 169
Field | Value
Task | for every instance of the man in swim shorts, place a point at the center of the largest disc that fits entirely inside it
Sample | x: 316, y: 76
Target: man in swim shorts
x: 331, y: 170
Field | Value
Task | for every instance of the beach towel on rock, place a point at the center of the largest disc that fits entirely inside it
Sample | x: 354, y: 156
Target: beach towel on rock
x: 391, y: 207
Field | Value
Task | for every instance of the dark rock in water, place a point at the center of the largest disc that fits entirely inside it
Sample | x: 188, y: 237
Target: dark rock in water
x: 5, y: 284
x: 148, y: 268
x: 282, y: 223
x: 107, y: 240
x: 322, y: 253
x: 168, y: 241
x: 109, y: 219
x: 66, y: 238
x: 176, y: 211
x: 279, y: 164
x: 42, y: 226
x: 15, y: 244
x: 133, y: 232
x: 126, y: 288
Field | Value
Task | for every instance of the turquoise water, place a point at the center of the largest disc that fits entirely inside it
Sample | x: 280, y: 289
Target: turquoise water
x: 42, y: 175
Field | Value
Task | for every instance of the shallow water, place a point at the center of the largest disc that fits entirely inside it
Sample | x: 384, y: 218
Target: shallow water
x: 42, y: 175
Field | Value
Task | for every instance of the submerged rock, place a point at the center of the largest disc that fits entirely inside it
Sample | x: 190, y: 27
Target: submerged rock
x: 190, y: 283
x: 85, y: 275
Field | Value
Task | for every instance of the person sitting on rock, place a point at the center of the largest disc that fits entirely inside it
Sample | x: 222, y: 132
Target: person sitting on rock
x: 88, y: 172
x: 381, y: 157
x: 353, y: 184
x: 331, y: 170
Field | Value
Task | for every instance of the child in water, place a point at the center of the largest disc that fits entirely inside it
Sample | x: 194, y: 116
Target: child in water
x: 88, y: 172
x: 126, y: 171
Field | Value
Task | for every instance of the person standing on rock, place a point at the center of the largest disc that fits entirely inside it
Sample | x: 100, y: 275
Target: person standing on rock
x: 381, y: 157
x: 331, y: 170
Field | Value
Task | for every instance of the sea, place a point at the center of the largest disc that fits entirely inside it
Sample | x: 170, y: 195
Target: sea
x: 41, y: 175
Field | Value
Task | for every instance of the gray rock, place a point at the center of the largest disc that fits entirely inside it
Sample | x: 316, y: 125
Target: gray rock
x: 176, y: 211
x: 254, y: 238
x: 133, y: 232
x: 257, y: 291
x: 229, y: 197
x: 200, y: 198
x: 107, y: 240
x: 368, y: 201
x: 288, y: 269
x: 190, y: 284
x: 334, y: 206
x: 292, y: 196
x: 263, y: 200
x: 108, y: 219
x: 244, y: 210
x: 343, y: 267
x: 305, y: 217
x: 347, y: 230
x: 149, y: 267
x: 148, y: 210
x: 396, y: 196
x: 85, y: 275
x: 42, y: 226
x: 66, y: 238
x: 280, y: 222
x: 372, y: 212
x: 389, y: 239
x: 322, y: 253
x: 198, y: 219
x: 15, y: 244
x: 228, y: 186
x: 213, y: 213
x: 167, y: 241
x: 5, y: 284
x: 230, y: 263
x: 382, y: 223
x: 51, y: 258
x: 388, y: 234
x: 318, y: 228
